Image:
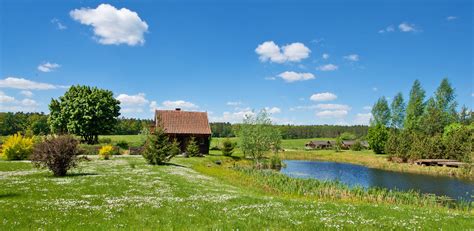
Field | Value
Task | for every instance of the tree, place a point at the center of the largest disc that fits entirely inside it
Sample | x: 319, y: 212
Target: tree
x: 397, y: 111
x: 415, y: 107
x: 431, y: 120
x: 84, y: 111
x: 258, y: 136
x: 446, y: 102
x: 377, y: 137
x: 381, y: 112
x: 193, y: 148
x: 347, y: 136
x: 227, y: 147
x: 159, y: 149
x: 465, y: 116
x: 338, y: 144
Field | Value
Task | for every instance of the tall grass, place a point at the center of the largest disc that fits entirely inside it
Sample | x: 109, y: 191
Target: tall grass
x: 337, y: 191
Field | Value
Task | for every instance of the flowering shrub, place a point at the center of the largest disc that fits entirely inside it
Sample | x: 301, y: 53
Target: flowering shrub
x: 17, y: 147
x: 106, y: 151
x: 58, y: 154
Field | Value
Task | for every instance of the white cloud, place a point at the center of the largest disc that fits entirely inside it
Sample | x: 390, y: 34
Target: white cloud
x: 273, y: 110
x: 407, y: 27
x: 352, y: 57
x: 24, y: 84
x: 327, y: 67
x: 132, y: 100
x: 235, y: 103
x: 390, y: 28
x: 5, y: 98
x: 363, y: 118
x: 48, y: 67
x: 330, y: 106
x: 179, y: 104
x: 29, y: 102
x: 270, y: 78
x: 325, y: 56
x: 451, y: 18
x: 58, y: 24
x: 325, y: 96
x: 375, y: 89
x: 233, y: 117
x: 309, y: 107
x: 332, y: 113
x: 27, y: 93
x: 367, y: 108
x: 291, y: 76
x: 113, y: 26
x: 294, y: 52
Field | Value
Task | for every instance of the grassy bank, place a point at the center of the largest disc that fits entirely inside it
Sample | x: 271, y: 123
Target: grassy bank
x: 193, y: 194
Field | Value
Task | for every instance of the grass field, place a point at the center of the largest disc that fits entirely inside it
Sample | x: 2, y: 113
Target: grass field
x: 191, y: 193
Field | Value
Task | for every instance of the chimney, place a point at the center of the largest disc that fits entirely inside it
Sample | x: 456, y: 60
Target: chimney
x: 177, y: 109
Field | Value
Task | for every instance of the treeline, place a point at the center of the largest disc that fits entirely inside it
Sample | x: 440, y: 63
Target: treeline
x: 37, y: 124
x: 423, y: 128
x: 296, y: 131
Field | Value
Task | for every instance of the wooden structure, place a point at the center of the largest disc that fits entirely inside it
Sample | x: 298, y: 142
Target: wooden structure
x: 439, y: 162
x: 318, y: 144
x: 183, y: 125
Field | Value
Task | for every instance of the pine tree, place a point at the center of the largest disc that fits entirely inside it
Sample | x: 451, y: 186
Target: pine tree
x: 446, y: 102
x: 193, y: 148
x: 431, y: 121
x: 381, y: 112
x: 415, y: 107
x: 158, y: 148
x: 397, y: 111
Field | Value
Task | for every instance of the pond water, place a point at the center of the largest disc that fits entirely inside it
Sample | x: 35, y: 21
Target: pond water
x: 353, y: 175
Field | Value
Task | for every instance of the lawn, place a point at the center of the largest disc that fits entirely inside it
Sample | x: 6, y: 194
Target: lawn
x: 190, y: 193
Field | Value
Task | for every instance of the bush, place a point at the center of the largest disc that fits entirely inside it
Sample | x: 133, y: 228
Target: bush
x: 377, y: 138
x: 17, y: 147
x: 357, y: 146
x: 338, y: 144
x: 193, y: 148
x: 158, y: 149
x: 457, y: 140
x: 58, y: 154
x: 122, y: 144
x: 347, y: 136
x: 227, y: 147
x: 106, y: 151
x: 105, y: 140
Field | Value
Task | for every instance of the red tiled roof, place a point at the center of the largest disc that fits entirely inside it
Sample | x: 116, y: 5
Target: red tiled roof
x: 183, y: 122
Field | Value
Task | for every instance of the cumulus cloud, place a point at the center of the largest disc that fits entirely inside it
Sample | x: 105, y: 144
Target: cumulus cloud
x: 332, y: 113
x: 363, y: 118
x: 24, y: 84
x: 132, y: 100
x: 325, y: 96
x: 352, y: 57
x: 294, y: 52
x: 451, y: 18
x: 325, y: 56
x: 367, y: 108
x: 112, y: 25
x: 327, y: 67
x: 273, y: 110
x: 27, y: 93
x: 233, y: 117
x: 5, y: 98
x: 169, y: 105
x: 330, y: 106
x: 10, y: 104
x: 406, y: 27
x: 48, y: 67
x: 387, y: 29
x: 58, y: 24
x: 291, y: 76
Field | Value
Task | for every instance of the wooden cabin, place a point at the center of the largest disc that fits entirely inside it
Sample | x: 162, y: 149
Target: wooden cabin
x: 318, y: 144
x: 182, y: 125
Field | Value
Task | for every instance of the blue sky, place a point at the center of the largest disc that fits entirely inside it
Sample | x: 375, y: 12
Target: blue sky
x: 323, y: 62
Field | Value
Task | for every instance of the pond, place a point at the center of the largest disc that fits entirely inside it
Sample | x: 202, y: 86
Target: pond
x: 353, y: 175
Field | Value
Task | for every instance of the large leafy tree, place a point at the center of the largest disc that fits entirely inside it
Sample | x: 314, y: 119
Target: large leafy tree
x: 84, y: 111
x: 381, y: 112
x: 415, y: 107
x: 377, y: 138
x: 397, y: 111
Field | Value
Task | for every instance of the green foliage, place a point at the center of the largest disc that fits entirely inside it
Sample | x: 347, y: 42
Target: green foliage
x: 347, y: 136
x: 466, y: 116
x: 84, y: 111
x: 58, y: 154
x: 415, y: 107
x: 377, y: 137
x: 222, y: 129
x: 446, y: 102
x: 227, y: 147
x: 432, y: 119
x: 20, y: 122
x: 397, y: 109
x: 105, y: 140
x: 122, y: 144
x: 131, y: 126
x: 258, y: 136
x: 17, y: 147
x: 458, y: 140
x: 357, y: 146
x: 158, y: 149
x: 381, y: 112
x: 192, y: 149
x: 338, y: 144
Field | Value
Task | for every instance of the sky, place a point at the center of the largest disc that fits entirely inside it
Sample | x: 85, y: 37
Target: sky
x: 305, y: 62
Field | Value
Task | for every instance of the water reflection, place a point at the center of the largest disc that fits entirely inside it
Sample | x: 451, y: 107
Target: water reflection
x: 353, y: 175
